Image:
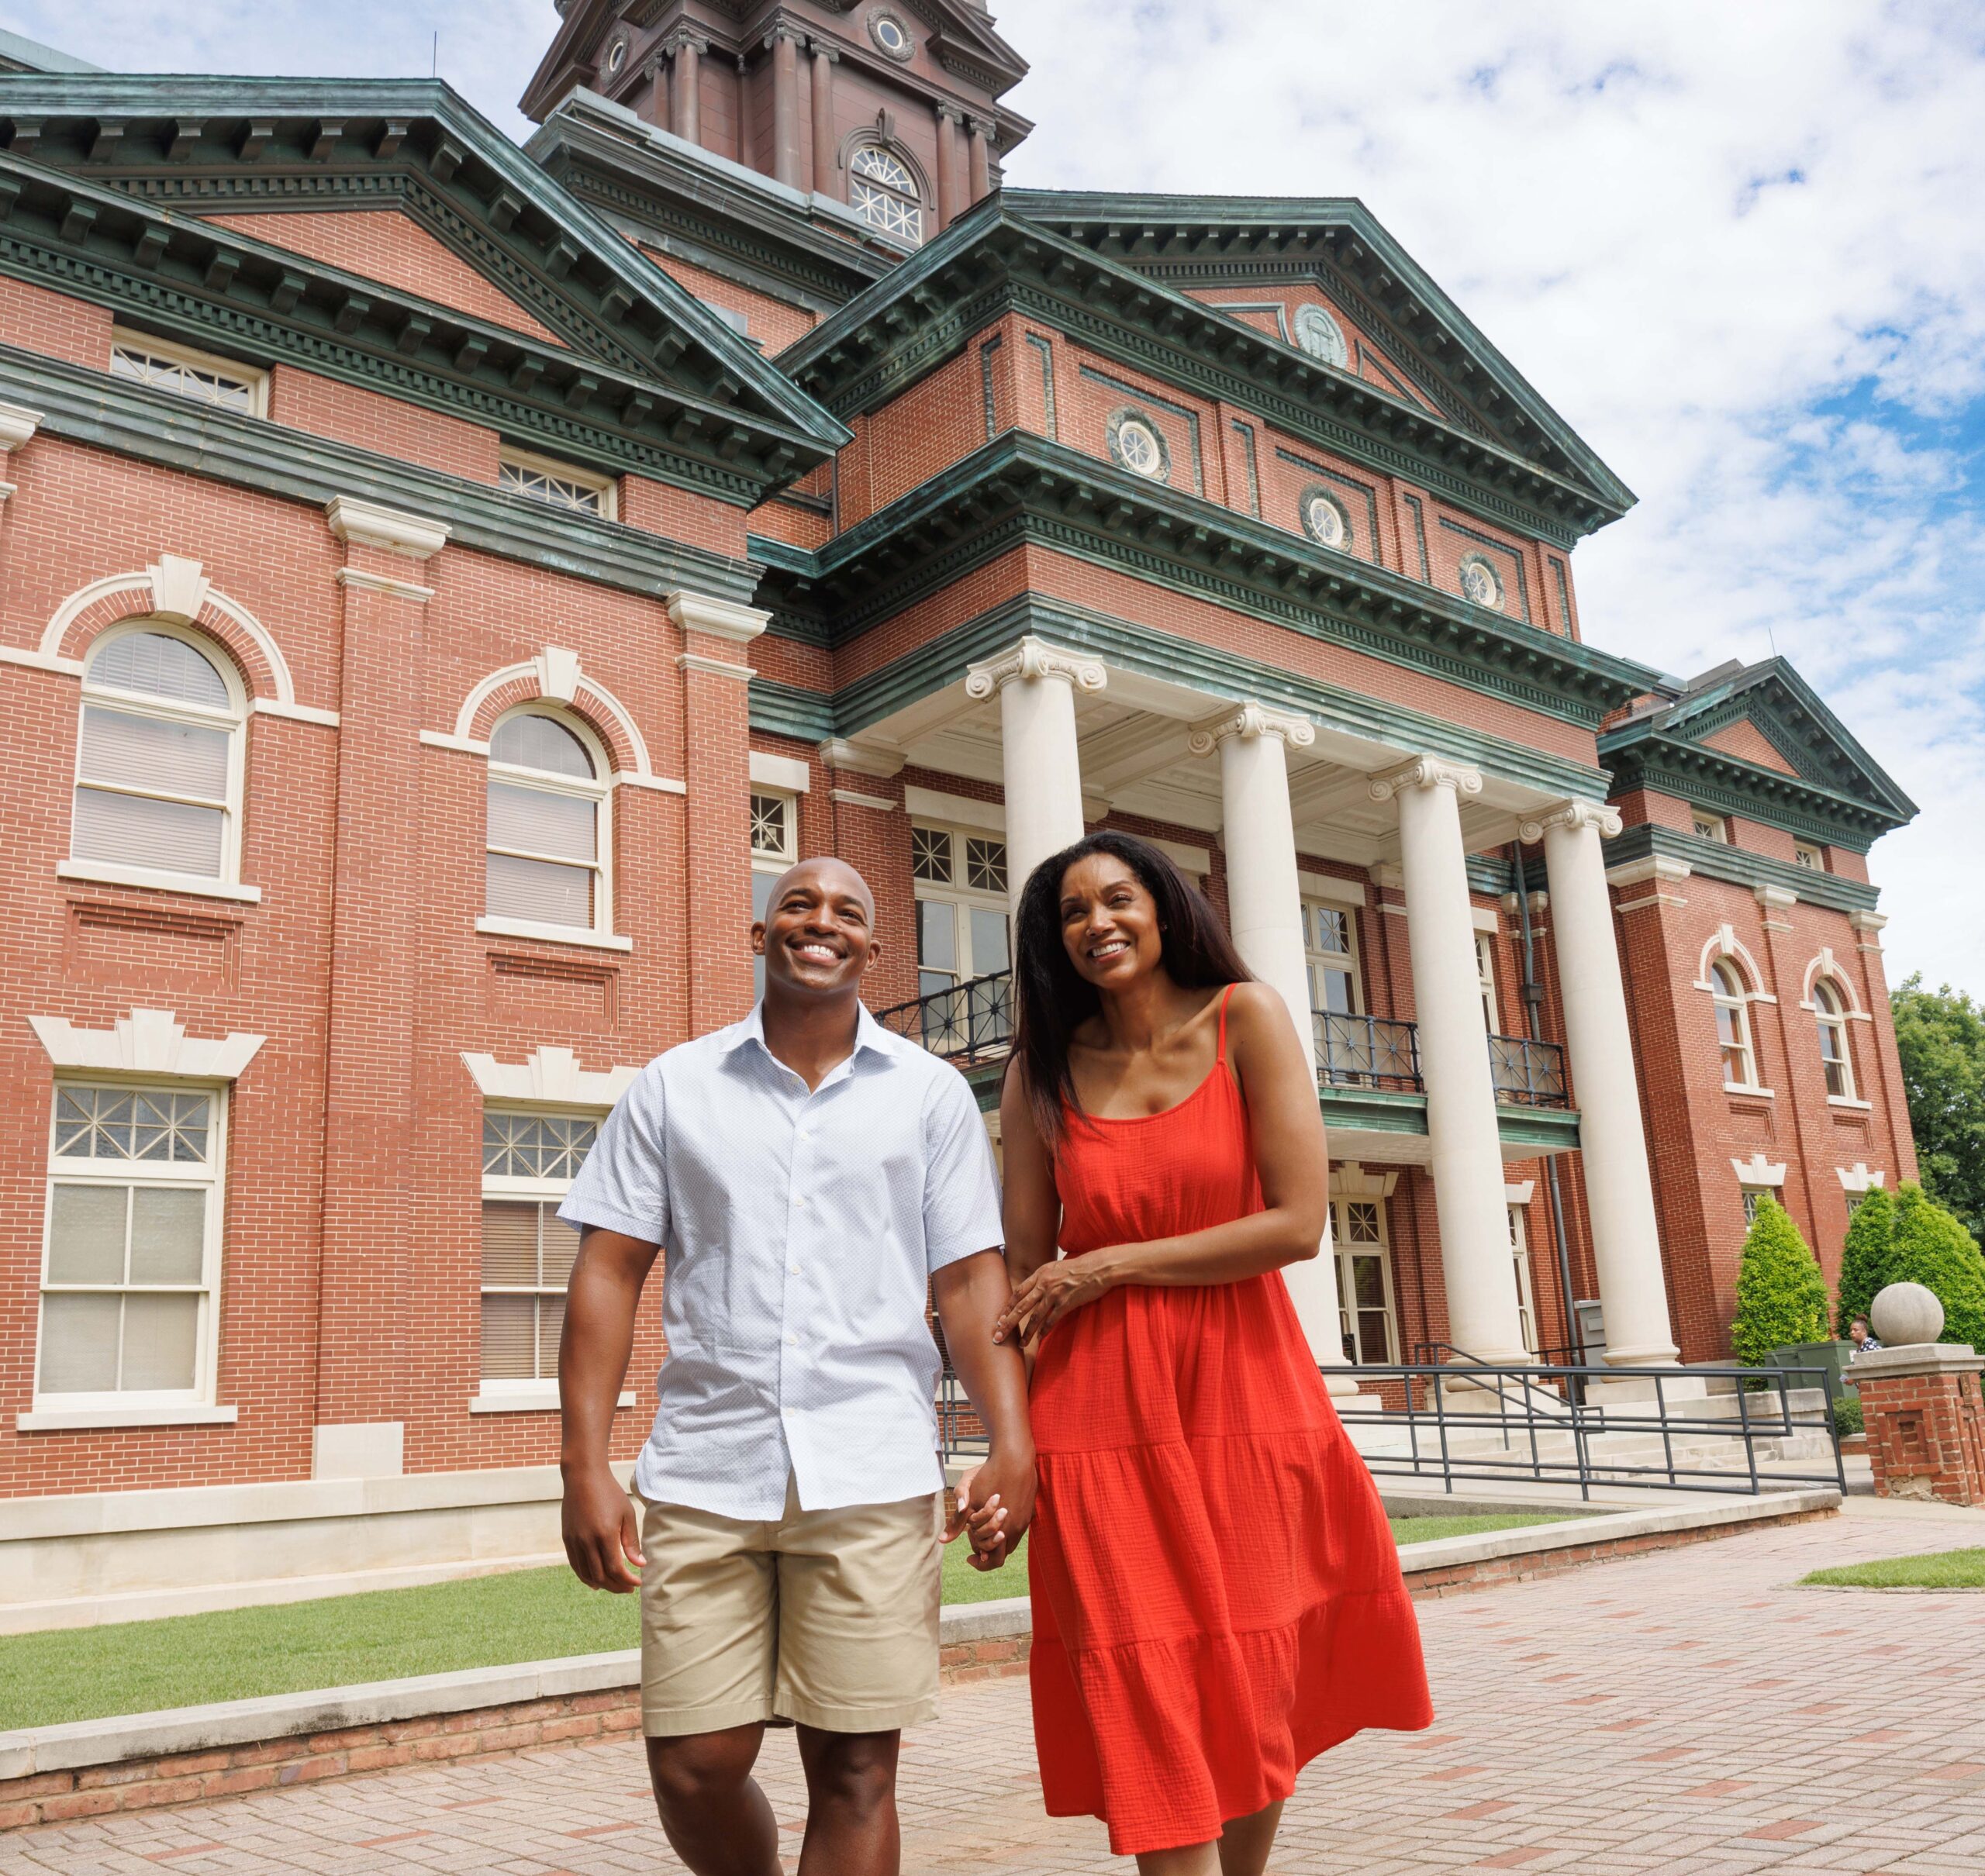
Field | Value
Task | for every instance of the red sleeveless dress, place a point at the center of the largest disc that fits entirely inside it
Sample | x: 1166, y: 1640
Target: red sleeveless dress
x: 1216, y: 1596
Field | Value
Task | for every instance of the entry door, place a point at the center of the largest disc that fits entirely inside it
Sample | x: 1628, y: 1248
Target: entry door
x: 1520, y: 1247
x: 1365, y: 1314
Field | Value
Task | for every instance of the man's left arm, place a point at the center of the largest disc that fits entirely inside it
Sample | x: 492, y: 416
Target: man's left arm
x: 970, y: 1294
x: 969, y: 1285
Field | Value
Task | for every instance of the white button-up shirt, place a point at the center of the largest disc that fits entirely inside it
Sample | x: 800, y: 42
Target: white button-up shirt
x: 800, y: 1230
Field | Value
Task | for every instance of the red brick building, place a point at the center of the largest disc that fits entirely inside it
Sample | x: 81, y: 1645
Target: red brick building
x: 440, y: 578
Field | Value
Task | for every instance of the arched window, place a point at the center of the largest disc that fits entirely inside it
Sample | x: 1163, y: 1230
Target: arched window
x: 159, y: 758
x: 1836, y: 1056
x: 882, y: 191
x: 1733, y: 1025
x: 547, y: 832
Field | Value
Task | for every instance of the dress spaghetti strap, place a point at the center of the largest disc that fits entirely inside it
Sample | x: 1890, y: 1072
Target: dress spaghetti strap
x: 1219, y: 1056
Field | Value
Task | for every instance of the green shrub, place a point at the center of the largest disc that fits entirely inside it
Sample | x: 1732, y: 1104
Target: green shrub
x: 1932, y: 1248
x: 1866, y: 1257
x: 1781, y: 1296
x: 1847, y: 1420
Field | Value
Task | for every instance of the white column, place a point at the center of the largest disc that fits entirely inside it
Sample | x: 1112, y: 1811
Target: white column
x: 1036, y: 684
x: 1264, y: 914
x: 1612, y: 1143
x: 1466, y: 1148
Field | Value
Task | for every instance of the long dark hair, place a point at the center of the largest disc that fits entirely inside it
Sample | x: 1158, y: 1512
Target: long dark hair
x: 1053, y: 1000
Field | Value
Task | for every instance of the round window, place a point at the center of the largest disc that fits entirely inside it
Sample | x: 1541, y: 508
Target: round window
x: 1481, y: 583
x: 1136, y: 442
x: 1321, y: 336
x: 617, y: 57
x: 1324, y: 519
x: 891, y: 34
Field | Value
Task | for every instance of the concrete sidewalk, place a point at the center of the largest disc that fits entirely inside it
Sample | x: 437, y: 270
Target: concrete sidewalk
x: 1684, y: 1711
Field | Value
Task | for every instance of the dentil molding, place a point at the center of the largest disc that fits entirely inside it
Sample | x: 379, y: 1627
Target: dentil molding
x: 1426, y: 772
x: 1034, y: 658
x: 146, y: 1042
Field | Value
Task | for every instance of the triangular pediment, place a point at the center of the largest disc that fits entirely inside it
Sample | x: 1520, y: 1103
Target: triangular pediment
x: 1333, y: 252
x: 532, y: 301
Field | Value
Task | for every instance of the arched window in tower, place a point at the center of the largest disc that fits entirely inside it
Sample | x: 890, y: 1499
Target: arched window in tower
x: 547, y: 837
x: 1836, y: 1057
x: 882, y: 191
x: 1733, y: 1025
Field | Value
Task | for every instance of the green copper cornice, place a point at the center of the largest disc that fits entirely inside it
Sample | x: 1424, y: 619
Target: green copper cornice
x: 1021, y: 487
x: 993, y: 261
x: 1727, y: 784
x: 133, y: 420
x: 1206, y: 239
x: 640, y: 354
x: 1736, y: 865
x: 785, y: 710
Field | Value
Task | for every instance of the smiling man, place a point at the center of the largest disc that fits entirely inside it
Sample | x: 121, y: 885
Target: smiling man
x: 812, y: 1178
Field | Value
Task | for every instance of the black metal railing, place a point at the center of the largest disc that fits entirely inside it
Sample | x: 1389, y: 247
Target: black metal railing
x: 1742, y: 1431
x: 1366, y: 1052
x: 1528, y: 1074
x: 966, y: 1023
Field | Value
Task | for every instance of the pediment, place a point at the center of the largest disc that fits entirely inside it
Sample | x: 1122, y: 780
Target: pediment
x: 201, y: 185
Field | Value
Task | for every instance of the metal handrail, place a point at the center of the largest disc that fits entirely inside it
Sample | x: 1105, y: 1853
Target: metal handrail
x: 966, y: 1023
x: 1354, y: 1051
x: 1528, y: 1074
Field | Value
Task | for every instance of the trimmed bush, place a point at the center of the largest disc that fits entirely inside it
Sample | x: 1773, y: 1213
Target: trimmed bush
x: 1847, y: 1419
x: 1866, y: 1258
x: 1932, y: 1248
x: 1781, y: 1296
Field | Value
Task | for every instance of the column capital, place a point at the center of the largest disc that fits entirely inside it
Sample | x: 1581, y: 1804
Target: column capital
x: 685, y: 38
x: 369, y: 526
x: 1250, y: 721
x: 822, y: 49
x: 1576, y: 814
x: 953, y: 112
x: 1033, y: 658
x: 1426, y: 772
x: 723, y: 619
x: 783, y: 28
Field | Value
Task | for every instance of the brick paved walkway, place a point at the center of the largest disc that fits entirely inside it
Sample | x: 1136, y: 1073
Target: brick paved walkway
x: 1685, y: 1711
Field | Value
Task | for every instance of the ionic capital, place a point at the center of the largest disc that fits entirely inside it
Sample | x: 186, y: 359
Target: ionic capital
x: 784, y: 29
x: 1250, y: 721
x: 1034, y: 658
x: 1426, y: 772
x: 1576, y: 815
x: 685, y: 38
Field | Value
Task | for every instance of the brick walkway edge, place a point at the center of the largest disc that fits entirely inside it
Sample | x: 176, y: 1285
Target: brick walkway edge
x: 506, y: 1727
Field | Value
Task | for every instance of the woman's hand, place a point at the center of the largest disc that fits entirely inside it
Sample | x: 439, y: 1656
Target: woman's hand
x: 1055, y: 1290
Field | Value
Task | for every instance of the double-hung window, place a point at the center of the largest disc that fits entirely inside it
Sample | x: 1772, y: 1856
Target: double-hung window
x: 961, y: 885
x: 131, y: 1258
x: 774, y: 846
x: 1836, y: 1053
x: 548, y: 840
x: 1733, y: 1025
x: 159, y: 761
x: 1366, y: 1313
x: 528, y: 1163
x: 1330, y: 956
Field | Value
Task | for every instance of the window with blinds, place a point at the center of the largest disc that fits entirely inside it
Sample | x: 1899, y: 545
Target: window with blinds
x: 529, y: 1161
x: 547, y: 833
x: 158, y: 758
x: 132, y: 1255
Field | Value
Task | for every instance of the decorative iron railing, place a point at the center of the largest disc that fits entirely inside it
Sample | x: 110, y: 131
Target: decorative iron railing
x: 1528, y: 1074
x: 1366, y: 1052
x: 967, y: 1023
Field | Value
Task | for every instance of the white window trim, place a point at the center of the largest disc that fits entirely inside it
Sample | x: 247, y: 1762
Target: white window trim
x: 527, y: 1396
x: 598, y: 789
x: 1518, y: 1210
x: 135, y: 1407
x: 1485, y: 977
x: 771, y: 775
x: 967, y: 899
x: 1721, y: 836
x: 1344, y: 1250
x: 1837, y: 1020
x: 607, y: 487
x: 252, y: 376
x: 554, y: 934
x: 1817, y: 864
x: 1740, y: 1001
x: 1350, y: 956
x: 232, y: 722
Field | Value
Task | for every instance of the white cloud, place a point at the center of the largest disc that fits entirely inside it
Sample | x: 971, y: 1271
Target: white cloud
x: 1739, y: 246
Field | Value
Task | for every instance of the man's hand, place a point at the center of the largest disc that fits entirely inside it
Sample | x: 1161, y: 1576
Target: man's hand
x: 995, y: 1504
x: 602, y: 1536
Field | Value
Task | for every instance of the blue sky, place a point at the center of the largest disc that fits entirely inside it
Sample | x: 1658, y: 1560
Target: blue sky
x: 1740, y: 248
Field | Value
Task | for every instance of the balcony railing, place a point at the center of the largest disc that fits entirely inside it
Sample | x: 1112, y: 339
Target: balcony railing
x: 973, y: 1022
x: 969, y: 1022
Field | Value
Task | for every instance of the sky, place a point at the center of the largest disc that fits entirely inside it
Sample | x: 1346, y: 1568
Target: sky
x: 1740, y: 248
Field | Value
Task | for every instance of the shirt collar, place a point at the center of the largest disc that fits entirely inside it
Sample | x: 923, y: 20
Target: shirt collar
x: 868, y: 1033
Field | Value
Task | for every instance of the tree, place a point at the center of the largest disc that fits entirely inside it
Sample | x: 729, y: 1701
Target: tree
x: 1933, y: 1248
x: 1781, y: 1296
x: 1940, y: 1035
x: 1866, y: 1258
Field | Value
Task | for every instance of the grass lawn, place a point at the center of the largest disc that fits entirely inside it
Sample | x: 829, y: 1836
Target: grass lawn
x: 482, y: 1621
x: 1940, y: 1570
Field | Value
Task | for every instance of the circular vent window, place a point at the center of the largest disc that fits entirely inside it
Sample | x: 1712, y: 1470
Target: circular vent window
x: 1137, y: 443
x: 891, y: 35
x: 1324, y: 519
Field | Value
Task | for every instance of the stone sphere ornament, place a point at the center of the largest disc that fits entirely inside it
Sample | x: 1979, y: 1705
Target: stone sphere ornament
x: 1905, y: 1313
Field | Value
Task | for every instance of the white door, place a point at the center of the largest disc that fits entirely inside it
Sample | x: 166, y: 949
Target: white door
x: 1365, y: 1313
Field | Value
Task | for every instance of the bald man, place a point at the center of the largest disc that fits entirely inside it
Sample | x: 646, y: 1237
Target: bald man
x: 814, y: 1177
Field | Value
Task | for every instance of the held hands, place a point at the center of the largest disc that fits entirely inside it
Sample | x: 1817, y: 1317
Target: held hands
x: 1055, y: 1290
x: 602, y: 1537
x: 994, y: 1506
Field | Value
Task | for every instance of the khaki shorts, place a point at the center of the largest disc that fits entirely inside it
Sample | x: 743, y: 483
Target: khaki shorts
x: 828, y: 1618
